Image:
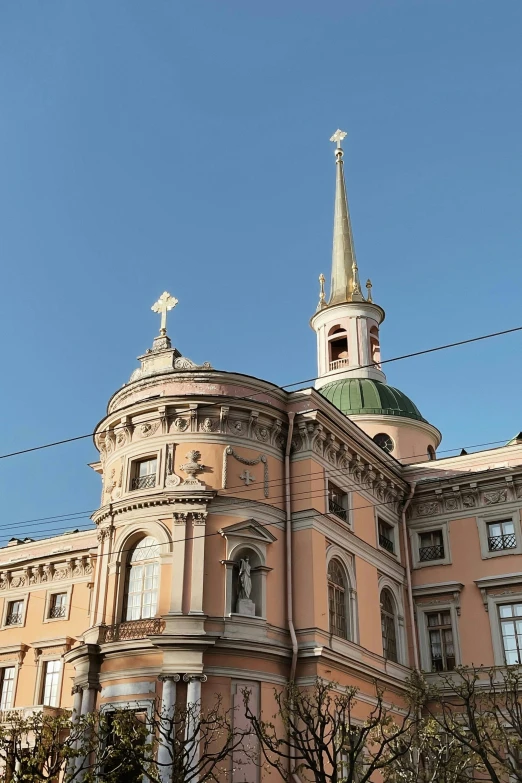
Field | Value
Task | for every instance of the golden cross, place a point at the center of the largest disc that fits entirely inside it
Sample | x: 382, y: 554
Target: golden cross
x: 165, y: 302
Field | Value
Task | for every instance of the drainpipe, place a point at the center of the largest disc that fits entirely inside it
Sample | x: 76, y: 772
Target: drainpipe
x: 289, y: 579
x: 408, y: 576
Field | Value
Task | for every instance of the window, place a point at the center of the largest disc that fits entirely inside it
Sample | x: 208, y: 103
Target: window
x: 58, y: 605
x: 511, y: 626
x: 375, y: 347
x: 501, y: 535
x: 144, y: 474
x: 389, y: 630
x: 51, y: 685
x: 442, y: 649
x: 386, y: 536
x: 15, y: 611
x: 431, y: 546
x: 338, y: 347
x: 384, y: 441
x: 7, y: 687
x: 337, y: 599
x: 431, y: 453
x: 337, y: 502
x: 143, y: 580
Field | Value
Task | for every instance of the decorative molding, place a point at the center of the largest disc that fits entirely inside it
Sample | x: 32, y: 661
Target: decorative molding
x: 229, y: 452
x: 172, y: 480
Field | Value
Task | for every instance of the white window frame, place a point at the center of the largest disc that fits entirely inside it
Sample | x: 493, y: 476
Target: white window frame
x: 7, y: 602
x: 428, y: 527
x: 380, y: 513
x: 349, y: 502
x: 498, y: 516
x: 336, y: 553
x: 428, y: 607
x: 40, y: 679
x: 131, y: 470
x: 492, y: 602
x: 396, y: 590
x: 49, y: 602
x: 9, y: 665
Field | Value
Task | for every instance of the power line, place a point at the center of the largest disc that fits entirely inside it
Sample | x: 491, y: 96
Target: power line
x: 288, y: 385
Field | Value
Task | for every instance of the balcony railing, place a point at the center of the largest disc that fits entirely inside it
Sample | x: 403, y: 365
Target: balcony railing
x: 57, y: 611
x: 386, y: 543
x: 14, y: 619
x: 434, y: 552
x: 339, y: 511
x: 144, y: 482
x: 133, y: 629
x: 14, y: 714
x: 497, y: 543
x: 338, y: 363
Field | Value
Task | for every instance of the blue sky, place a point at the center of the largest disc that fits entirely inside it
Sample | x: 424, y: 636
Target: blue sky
x: 184, y: 146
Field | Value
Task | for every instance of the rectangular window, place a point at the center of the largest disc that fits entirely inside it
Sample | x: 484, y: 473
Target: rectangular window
x: 431, y: 546
x: 501, y: 535
x: 7, y: 687
x: 386, y: 536
x: 144, y: 474
x: 51, y: 686
x: 440, y: 633
x: 58, y: 605
x: 337, y: 502
x: 511, y: 626
x: 15, y: 611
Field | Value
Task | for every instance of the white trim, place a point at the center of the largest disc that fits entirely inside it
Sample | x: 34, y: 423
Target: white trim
x: 57, y: 590
x: 43, y: 659
x: 492, y: 604
x: 352, y: 616
x: 396, y: 539
x: 485, y: 518
x: 12, y: 599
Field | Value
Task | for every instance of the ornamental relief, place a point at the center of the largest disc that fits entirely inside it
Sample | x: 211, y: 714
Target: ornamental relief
x: 465, y: 500
x: 44, y: 573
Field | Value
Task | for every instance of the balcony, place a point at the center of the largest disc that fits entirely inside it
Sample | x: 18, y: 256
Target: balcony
x: 14, y: 619
x: 144, y: 482
x: 339, y: 511
x: 498, y: 543
x: 434, y: 552
x: 132, y: 629
x: 56, y: 612
x: 338, y: 363
x: 386, y: 543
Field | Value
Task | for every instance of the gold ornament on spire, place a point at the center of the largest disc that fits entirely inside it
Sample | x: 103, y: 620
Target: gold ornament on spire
x: 165, y: 303
x: 369, y: 289
x: 322, y: 298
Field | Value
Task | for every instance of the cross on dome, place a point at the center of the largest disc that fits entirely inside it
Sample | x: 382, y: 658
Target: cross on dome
x: 338, y: 136
x: 165, y: 303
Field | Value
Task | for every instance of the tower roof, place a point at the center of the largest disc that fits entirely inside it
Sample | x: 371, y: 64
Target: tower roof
x: 346, y: 286
x: 354, y: 396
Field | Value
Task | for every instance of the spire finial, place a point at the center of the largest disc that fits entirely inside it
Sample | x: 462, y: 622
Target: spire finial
x: 345, y: 280
x: 369, y: 289
x: 165, y: 302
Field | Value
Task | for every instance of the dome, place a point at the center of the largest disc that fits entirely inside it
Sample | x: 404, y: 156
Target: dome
x: 354, y: 396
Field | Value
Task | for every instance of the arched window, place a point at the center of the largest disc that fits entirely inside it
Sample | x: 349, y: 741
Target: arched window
x: 338, y: 347
x: 142, y: 584
x: 337, y: 599
x: 431, y: 453
x: 389, y: 628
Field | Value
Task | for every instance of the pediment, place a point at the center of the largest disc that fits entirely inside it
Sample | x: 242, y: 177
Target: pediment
x: 250, y: 530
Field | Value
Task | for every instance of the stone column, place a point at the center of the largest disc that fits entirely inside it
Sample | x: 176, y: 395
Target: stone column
x: 77, y: 692
x: 193, y: 705
x: 168, y: 704
x: 88, y: 700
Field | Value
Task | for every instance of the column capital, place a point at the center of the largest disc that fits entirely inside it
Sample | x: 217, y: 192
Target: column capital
x: 76, y: 689
x: 194, y: 678
x: 165, y: 677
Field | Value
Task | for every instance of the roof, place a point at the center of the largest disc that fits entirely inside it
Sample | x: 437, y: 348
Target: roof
x: 354, y: 396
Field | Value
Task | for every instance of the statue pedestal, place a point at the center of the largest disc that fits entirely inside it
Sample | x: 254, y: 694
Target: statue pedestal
x: 246, y: 606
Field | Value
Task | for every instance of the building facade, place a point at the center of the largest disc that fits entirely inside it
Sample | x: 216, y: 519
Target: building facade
x: 247, y: 535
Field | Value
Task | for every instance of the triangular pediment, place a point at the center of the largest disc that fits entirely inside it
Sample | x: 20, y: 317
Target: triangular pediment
x: 249, y: 529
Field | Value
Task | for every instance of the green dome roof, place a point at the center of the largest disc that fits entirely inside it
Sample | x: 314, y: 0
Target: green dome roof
x: 362, y: 395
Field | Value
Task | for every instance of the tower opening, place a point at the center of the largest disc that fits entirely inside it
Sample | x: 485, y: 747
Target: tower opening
x: 337, y: 347
x: 375, y: 348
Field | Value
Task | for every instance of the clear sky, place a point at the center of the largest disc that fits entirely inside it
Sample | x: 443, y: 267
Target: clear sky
x: 159, y: 145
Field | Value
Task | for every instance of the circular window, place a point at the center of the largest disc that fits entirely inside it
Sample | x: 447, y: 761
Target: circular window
x: 384, y: 441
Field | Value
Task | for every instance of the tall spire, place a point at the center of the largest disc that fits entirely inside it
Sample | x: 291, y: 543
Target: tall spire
x: 346, y: 286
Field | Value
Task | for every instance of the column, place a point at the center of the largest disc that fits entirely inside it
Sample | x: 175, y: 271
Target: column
x: 77, y: 692
x: 193, y: 707
x: 88, y: 699
x: 179, y: 534
x: 168, y: 704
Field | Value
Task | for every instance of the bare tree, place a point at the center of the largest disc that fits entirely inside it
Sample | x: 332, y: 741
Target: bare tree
x: 324, y: 739
x: 188, y: 744
x: 481, y: 709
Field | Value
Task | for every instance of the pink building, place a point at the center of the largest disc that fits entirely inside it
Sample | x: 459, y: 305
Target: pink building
x: 247, y: 535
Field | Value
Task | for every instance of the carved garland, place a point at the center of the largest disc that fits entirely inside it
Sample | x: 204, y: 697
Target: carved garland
x: 229, y: 452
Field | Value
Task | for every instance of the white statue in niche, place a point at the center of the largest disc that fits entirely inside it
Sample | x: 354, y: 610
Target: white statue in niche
x: 244, y: 604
